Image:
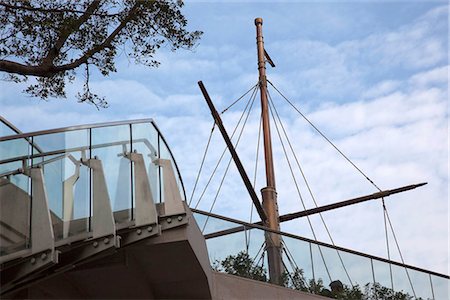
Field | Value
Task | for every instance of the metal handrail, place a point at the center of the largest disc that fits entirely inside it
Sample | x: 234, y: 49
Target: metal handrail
x: 290, y: 235
x: 91, y: 126
x: 73, y: 128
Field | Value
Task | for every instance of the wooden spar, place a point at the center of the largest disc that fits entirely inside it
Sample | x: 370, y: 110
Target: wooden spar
x: 269, y: 193
x: 324, y: 208
x: 237, y: 161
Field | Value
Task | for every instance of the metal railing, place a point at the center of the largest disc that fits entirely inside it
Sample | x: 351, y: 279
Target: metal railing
x: 63, y: 156
x: 320, y: 261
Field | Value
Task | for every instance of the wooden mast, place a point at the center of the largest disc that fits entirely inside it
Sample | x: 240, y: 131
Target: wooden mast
x: 269, y: 194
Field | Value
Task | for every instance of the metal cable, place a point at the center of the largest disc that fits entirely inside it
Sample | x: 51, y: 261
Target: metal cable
x: 257, y: 253
x: 224, y: 150
x: 254, y: 178
x: 327, y: 139
x: 387, y: 243
x: 298, y: 189
x: 358, y: 169
x: 239, y: 99
x: 229, y: 162
x: 307, y: 185
x: 203, y: 161
x: 398, y: 247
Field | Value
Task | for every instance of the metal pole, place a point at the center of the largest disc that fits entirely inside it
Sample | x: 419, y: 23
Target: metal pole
x: 269, y: 194
x: 320, y: 209
x: 233, y: 153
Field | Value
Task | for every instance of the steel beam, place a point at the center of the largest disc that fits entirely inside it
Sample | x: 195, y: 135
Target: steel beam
x: 320, y: 209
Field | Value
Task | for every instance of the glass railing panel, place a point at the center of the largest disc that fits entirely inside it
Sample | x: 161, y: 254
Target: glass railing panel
x: 14, y: 148
x: 221, y: 247
x: 209, y: 224
x: 66, y: 180
x: 358, y: 268
x: 382, y: 274
x: 421, y: 283
x: 319, y: 265
x: 145, y: 142
x: 401, y: 281
x: 109, y: 145
x: 441, y: 287
x: 6, y: 130
x: 165, y: 154
x: 15, y: 211
x: 320, y: 268
x: 300, y: 254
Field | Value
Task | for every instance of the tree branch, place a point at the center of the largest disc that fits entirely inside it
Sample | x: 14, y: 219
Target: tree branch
x: 49, y: 69
x: 66, y: 31
x: 54, y: 10
x: 107, y: 42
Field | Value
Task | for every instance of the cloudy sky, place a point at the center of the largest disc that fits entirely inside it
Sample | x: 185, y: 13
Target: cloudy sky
x: 372, y: 76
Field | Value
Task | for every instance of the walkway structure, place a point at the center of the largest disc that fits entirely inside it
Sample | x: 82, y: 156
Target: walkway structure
x: 99, y: 211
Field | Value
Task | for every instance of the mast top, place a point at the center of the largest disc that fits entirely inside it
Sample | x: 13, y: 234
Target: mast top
x: 258, y: 21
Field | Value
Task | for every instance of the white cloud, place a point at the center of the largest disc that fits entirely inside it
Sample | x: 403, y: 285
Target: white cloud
x: 383, y: 100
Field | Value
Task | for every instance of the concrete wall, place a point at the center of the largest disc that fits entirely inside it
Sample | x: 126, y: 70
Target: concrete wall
x: 231, y: 287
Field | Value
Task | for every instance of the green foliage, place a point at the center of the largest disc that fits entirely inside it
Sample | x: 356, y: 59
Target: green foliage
x: 50, y: 40
x: 242, y: 265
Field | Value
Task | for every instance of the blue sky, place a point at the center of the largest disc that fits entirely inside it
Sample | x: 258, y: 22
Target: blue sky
x: 372, y: 76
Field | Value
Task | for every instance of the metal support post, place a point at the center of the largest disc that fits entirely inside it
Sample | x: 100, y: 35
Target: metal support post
x: 173, y: 205
x: 145, y: 210
x: 102, y: 219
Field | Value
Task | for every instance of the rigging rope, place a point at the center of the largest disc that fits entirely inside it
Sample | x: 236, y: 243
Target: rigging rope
x: 307, y: 184
x: 327, y: 139
x: 229, y: 162
x: 239, y: 99
x: 225, y: 149
x: 387, y: 243
x: 203, y: 161
x: 398, y: 247
x: 254, y: 179
x: 298, y: 189
x: 360, y: 171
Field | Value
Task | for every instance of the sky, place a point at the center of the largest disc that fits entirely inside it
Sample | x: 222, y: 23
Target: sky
x: 372, y: 76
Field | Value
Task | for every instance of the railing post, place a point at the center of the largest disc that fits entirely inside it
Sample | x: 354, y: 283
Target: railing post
x: 42, y: 237
x: 173, y: 204
x: 102, y: 218
x: 145, y: 207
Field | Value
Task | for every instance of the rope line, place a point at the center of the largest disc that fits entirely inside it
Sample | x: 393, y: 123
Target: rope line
x: 239, y: 99
x: 229, y: 162
x: 327, y: 139
x: 387, y: 243
x: 398, y: 247
x: 224, y: 150
x: 297, y: 188
x: 386, y: 215
x: 203, y: 161
x: 307, y: 185
x: 254, y: 181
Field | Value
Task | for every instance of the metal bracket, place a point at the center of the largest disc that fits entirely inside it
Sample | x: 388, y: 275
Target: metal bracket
x: 42, y: 237
x: 145, y: 212
x: 102, y: 219
x: 135, y: 234
x: 68, y: 195
x: 32, y: 264
x: 169, y: 222
x: 85, y: 250
x: 173, y: 205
